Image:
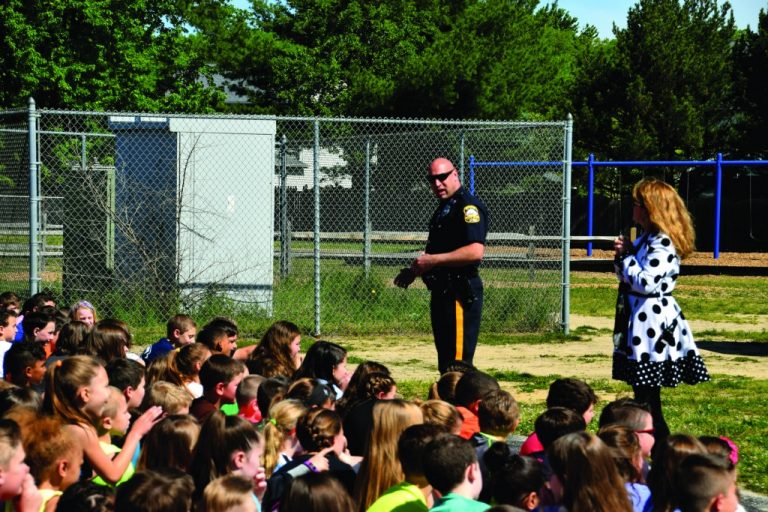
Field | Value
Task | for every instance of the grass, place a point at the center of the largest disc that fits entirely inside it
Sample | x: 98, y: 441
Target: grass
x: 716, y: 298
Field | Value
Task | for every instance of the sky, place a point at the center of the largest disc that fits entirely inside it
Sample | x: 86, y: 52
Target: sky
x: 604, y: 13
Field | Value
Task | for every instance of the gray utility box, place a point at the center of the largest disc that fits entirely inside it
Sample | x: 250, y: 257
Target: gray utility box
x: 194, y: 205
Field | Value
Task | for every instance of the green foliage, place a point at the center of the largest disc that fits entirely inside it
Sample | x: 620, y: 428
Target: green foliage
x: 87, y: 54
x: 750, y: 74
x: 666, y: 84
x: 679, y: 82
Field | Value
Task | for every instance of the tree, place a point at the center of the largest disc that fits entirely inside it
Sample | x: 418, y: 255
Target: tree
x: 100, y: 55
x: 402, y: 58
x: 673, y: 79
x: 750, y: 76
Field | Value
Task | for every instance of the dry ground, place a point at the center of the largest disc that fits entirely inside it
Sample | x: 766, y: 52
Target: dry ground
x: 413, y: 357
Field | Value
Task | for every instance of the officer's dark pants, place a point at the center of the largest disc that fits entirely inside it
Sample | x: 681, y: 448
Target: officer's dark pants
x: 455, y: 326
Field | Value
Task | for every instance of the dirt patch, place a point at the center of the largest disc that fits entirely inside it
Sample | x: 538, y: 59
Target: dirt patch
x: 414, y: 358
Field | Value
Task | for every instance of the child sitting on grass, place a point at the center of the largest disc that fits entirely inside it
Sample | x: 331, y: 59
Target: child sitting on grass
x: 498, y: 415
x: 180, y: 331
x: 706, y: 483
x: 7, y: 333
x: 414, y: 493
x: 115, y: 421
x: 173, y: 398
x: 16, y: 484
x: 217, y: 340
x: 246, y: 395
x: 170, y: 443
x: 187, y: 363
x: 451, y: 467
x: 470, y: 390
x: 128, y: 376
x: 572, y: 394
x: 52, y: 452
x: 220, y: 375
x: 24, y: 364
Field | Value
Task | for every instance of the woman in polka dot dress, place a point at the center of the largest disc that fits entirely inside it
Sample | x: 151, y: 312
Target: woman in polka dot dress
x: 655, y: 347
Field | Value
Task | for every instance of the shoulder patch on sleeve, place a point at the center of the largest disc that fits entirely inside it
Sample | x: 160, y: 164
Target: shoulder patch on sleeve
x: 471, y: 214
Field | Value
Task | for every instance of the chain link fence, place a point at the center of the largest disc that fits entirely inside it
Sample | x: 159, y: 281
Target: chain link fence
x: 268, y: 218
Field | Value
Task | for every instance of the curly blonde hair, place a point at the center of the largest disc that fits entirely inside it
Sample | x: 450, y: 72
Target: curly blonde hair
x: 667, y: 213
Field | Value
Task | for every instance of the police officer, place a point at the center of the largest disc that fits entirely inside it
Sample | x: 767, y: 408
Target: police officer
x: 449, y: 264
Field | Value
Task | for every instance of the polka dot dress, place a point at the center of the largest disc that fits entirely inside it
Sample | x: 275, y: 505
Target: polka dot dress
x: 659, y: 349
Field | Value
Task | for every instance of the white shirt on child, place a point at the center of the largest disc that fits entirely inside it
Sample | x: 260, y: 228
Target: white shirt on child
x: 4, y: 347
x: 195, y: 388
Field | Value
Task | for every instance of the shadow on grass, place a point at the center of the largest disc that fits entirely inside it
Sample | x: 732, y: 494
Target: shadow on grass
x: 741, y: 348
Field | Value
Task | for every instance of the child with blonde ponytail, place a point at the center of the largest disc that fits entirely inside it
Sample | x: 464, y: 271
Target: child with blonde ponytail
x: 280, y: 441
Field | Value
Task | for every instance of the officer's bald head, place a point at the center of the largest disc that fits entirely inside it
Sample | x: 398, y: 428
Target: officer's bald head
x: 443, y: 178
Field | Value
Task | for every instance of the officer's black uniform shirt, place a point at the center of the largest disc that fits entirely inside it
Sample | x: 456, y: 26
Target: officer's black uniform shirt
x: 459, y: 220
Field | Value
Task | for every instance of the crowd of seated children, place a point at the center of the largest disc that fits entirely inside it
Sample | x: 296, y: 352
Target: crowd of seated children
x: 194, y: 431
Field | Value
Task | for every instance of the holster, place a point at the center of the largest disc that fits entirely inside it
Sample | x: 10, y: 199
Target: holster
x: 456, y: 283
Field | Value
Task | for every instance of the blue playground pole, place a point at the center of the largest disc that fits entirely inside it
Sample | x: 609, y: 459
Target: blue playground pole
x: 590, y: 199
x: 718, y: 195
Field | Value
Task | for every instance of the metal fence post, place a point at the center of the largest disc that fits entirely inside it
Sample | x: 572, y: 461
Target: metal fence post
x: 34, y: 201
x: 367, y: 210
x: 461, y: 157
x: 471, y: 174
x: 567, y: 224
x: 283, y: 210
x: 316, y: 182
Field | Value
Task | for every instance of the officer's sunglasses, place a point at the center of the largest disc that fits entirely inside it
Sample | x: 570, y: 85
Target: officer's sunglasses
x: 434, y: 178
